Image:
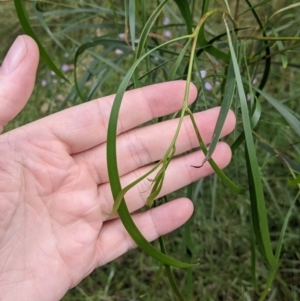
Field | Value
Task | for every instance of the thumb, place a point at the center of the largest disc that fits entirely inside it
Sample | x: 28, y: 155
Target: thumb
x: 17, y: 77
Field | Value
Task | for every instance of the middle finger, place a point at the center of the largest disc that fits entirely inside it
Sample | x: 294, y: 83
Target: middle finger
x: 142, y: 146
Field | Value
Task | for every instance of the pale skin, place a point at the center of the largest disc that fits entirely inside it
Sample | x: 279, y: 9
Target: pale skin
x: 54, y: 186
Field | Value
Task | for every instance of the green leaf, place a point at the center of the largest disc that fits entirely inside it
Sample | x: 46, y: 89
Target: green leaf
x: 281, y: 48
x: 147, y: 28
x: 24, y: 21
x: 259, y: 215
x: 226, y: 104
x: 113, y: 173
x: 205, y: 5
x: 98, y: 41
x: 253, y: 121
x: 267, y: 55
x: 284, y: 9
x: 278, y: 249
x: 144, y: 36
x: 131, y: 20
x: 283, y: 110
x: 231, y: 185
x: 185, y: 11
x: 255, y: 107
x: 203, y: 43
x: 294, y: 182
x: 142, y: 242
x: 170, y: 273
x: 179, y: 60
x: 159, y: 179
x: 294, y: 165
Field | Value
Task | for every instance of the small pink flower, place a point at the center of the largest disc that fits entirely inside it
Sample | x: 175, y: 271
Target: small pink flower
x: 65, y: 68
x: 167, y: 34
x: 166, y: 21
x: 44, y: 83
x: 208, y: 86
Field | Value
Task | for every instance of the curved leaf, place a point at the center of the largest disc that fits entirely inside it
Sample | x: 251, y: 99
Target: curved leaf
x: 23, y: 18
x: 113, y: 173
x: 185, y: 11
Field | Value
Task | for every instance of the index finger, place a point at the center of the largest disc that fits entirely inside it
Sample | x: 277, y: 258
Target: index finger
x: 85, y: 126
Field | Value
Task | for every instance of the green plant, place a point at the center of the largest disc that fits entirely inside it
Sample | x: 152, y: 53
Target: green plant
x: 240, y: 47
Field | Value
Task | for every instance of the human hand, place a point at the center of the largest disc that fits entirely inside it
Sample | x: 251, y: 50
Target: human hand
x: 54, y: 183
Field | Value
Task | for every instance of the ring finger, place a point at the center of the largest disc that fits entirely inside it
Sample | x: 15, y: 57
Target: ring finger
x: 178, y: 174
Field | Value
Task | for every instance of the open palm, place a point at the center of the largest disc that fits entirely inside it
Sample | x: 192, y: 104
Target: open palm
x: 54, y: 186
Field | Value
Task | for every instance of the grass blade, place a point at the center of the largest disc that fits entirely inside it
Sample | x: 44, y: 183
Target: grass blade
x: 284, y: 9
x: 232, y: 186
x: 179, y: 60
x: 226, y: 104
x: 99, y: 41
x: 185, y: 11
x: 283, y: 110
x: 260, y: 218
x: 24, y: 21
x: 254, y: 121
x: 131, y: 20
x: 188, y: 249
x: 267, y: 48
x: 147, y: 28
x: 169, y: 272
x: 144, y: 36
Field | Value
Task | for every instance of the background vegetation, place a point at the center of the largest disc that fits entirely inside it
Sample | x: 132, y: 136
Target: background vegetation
x: 100, y: 40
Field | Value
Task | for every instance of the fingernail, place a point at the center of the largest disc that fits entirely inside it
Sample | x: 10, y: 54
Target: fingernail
x: 14, y: 56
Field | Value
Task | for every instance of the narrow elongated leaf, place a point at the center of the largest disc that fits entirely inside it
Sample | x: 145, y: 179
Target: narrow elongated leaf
x: 231, y: 185
x: 261, y: 3
x: 203, y: 43
x: 185, y: 11
x: 147, y: 28
x: 143, y: 243
x: 159, y: 179
x: 253, y: 121
x: 283, y: 110
x: 255, y: 108
x: 113, y: 173
x: 170, y: 273
x: 285, y: 224
x: 267, y: 48
x: 179, y: 60
x: 284, y: 9
x: 144, y: 36
x: 46, y: 27
x: 254, y: 204
x: 99, y: 41
x: 226, y: 104
x: 205, y: 5
x: 253, y: 256
x: 23, y: 18
x: 281, y: 48
x: 260, y: 219
x: 131, y: 19
x: 294, y: 165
